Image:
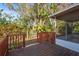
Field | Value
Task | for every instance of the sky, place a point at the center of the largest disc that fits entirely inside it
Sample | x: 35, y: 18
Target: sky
x: 6, y: 10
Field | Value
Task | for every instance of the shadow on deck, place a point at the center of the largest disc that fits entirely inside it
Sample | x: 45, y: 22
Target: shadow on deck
x: 33, y: 48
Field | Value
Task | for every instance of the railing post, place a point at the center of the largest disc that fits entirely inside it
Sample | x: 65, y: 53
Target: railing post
x: 4, y: 46
x: 7, y: 45
x: 23, y: 40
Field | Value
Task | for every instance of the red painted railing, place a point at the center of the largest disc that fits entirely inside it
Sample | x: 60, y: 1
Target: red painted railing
x: 3, y: 46
x: 16, y: 40
x: 11, y: 41
x: 52, y: 37
x: 46, y: 36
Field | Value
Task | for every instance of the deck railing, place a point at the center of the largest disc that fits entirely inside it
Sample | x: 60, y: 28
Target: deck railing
x: 3, y: 46
x: 11, y: 41
x: 16, y: 40
x: 46, y: 36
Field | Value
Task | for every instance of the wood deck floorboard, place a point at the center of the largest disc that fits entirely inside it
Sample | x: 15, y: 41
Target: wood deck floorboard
x: 43, y: 49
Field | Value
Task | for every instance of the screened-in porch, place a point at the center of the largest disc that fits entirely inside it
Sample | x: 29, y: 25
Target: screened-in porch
x: 69, y: 37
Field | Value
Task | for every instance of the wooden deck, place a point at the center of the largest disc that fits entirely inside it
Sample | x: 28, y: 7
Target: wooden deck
x: 33, y: 48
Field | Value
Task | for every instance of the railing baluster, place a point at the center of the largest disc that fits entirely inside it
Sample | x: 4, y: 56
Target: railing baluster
x: 7, y: 45
x: 10, y: 42
x: 20, y: 40
x: 13, y: 40
x: 16, y: 40
x: 23, y: 40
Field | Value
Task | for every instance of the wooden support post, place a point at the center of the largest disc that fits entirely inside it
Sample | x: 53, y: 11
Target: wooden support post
x: 55, y: 30
x: 66, y: 31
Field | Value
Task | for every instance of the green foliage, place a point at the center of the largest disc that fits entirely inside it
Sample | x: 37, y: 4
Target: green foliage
x: 61, y: 27
x: 38, y: 14
x: 44, y: 28
x: 33, y: 18
x: 76, y: 27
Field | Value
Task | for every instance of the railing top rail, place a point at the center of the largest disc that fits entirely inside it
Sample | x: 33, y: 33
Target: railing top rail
x: 22, y: 33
